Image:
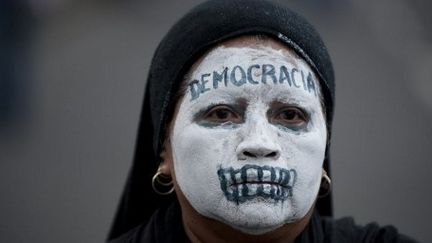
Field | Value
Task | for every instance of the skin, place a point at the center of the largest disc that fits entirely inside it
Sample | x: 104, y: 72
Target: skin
x: 307, y: 136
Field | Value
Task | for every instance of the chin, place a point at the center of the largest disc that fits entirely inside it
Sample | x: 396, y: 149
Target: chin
x: 258, y: 216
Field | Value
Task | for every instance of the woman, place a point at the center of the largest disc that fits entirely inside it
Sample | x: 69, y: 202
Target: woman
x: 237, y: 121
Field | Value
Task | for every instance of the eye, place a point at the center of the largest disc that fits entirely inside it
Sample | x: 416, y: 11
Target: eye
x: 222, y: 114
x: 290, y: 116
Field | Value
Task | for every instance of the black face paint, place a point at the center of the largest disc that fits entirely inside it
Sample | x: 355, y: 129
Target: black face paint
x: 292, y: 128
x: 250, y: 74
x: 236, y: 183
x: 234, y: 79
x: 284, y: 75
x: 311, y: 84
x: 240, y: 76
x: 293, y: 71
x: 239, y: 107
x: 268, y: 70
x: 218, y: 77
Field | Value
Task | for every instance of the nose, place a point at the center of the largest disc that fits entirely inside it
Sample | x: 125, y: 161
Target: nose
x: 257, y: 143
x: 257, y: 152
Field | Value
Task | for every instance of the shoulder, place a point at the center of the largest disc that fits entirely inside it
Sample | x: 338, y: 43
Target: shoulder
x: 346, y: 230
x: 135, y: 235
x: 145, y: 232
x: 132, y: 236
x: 164, y: 226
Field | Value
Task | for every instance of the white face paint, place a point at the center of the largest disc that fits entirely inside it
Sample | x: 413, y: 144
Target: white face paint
x: 249, y: 151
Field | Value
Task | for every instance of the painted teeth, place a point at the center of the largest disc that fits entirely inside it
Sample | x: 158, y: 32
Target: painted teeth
x: 253, y: 181
x: 266, y: 188
x: 258, y: 174
x: 238, y: 177
x: 277, y: 176
x: 252, y: 189
x: 251, y: 173
x: 266, y: 175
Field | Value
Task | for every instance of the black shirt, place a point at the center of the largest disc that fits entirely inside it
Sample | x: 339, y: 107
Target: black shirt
x: 166, y: 226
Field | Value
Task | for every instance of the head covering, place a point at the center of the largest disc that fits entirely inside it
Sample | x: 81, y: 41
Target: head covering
x: 204, y: 26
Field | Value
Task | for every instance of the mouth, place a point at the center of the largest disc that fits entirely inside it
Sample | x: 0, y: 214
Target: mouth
x: 254, y: 181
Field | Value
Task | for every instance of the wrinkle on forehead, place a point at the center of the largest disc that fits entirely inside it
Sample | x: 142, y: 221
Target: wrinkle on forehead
x: 252, y: 41
x: 223, y: 53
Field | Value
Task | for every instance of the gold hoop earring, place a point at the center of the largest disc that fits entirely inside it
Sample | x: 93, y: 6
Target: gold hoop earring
x: 161, y: 183
x: 325, y: 187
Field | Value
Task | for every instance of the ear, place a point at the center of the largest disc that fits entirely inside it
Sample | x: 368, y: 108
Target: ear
x: 166, y: 164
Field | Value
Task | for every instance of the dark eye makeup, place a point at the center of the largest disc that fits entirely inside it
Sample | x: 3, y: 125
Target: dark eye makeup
x: 289, y: 116
x: 283, y: 115
x: 223, y: 114
x: 220, y: 115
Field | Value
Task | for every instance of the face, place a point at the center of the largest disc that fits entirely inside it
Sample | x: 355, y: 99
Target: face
x: 249, y: 136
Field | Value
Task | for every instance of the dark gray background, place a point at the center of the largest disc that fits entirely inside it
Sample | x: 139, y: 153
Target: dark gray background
x: 64, y: 163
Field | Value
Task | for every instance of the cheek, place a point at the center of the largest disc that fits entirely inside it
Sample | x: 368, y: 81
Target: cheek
x: 197, y: 154
x: 309, y: 160
x: 307, y: 148
x: 195, y: 143
x: 312, y: 144
x: 305, y: 153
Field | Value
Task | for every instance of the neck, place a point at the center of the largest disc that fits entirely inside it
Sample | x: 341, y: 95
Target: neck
x: 202, y: 229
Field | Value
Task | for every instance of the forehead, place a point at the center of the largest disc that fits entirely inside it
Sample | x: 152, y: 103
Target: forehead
x: 250, y: 65
x: 253, y: 43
